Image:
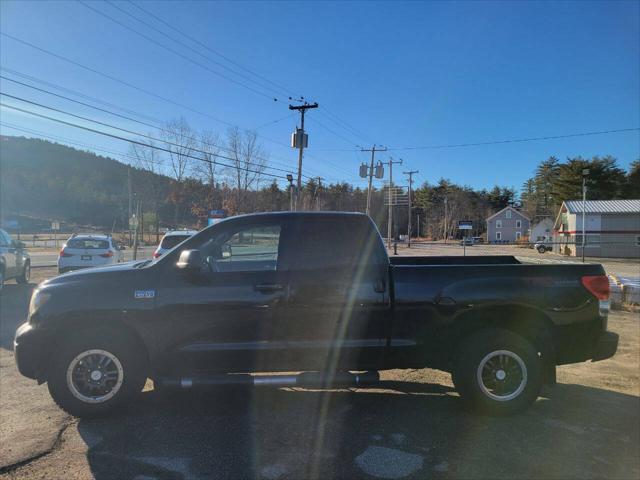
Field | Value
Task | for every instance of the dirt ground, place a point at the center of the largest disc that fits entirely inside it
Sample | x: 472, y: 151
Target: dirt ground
x: 413, y: 426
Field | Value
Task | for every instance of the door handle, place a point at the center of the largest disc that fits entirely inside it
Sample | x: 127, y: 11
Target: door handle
x: 268, y: 287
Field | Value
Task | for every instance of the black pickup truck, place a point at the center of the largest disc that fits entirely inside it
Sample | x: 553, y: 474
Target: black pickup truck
x: 313, y: 293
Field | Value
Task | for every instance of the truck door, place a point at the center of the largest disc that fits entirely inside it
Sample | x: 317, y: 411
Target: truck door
x: 337, y: 313
x: 222, y: 320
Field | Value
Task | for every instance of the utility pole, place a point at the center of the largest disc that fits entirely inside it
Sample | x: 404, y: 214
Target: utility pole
x: 410, y: 173
x: 446, y: 233
x: 290, y: 179
x: 585, y: 173
x: 318, y: 188
x: 129, y: 212
x: 300, y: 141
x: 373, y: 151
x: 135, y: 235
x: 390, y: 220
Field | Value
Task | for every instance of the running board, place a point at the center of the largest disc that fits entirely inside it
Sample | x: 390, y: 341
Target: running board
x: 305, y: 380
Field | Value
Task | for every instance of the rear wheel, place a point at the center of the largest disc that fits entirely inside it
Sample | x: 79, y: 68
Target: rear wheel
x: 26, y: 274
x: 498, y: 372
x: 542, y: 249
x: 96, y: 372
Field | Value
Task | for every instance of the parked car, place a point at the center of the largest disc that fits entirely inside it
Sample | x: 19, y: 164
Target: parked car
x: 14, y: 260
x: 468, y: 241
x: 477, y: 240
x: 88, y: 250
x: 542, y: 247
x: 311, y: 292
x: 171, y: 239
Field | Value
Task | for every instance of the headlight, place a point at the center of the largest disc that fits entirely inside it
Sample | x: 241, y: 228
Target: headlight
x: 38, y: 299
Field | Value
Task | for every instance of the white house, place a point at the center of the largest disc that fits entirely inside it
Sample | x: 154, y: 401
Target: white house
x: 612, y: 228
x: 542, y: 231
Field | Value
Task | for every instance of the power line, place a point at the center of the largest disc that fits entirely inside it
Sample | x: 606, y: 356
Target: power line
x: 175, y: 52
x: 158, y: 96
x: 118, y: 137
x: 338, y: 121
x: 333, y: 132
x: 498, y: 142
x: 160, y: 127
x: 129, y: 14
x: 80, y: 117
x: 71, y: 91
x: 67, y: 140
x: 215, y: 52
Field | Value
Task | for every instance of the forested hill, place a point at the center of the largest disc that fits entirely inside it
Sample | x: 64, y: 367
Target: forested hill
x: 51, y: 181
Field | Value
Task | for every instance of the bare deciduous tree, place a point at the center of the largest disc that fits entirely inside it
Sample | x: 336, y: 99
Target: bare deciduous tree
x: 206, y: 171
x: 149, y: 159
x: 181, y: 142
x: 248, y: 163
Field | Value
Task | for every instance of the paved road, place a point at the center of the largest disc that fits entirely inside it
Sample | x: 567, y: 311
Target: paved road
x: 412, y: 426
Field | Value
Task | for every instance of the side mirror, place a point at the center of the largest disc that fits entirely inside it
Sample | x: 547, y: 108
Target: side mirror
x: 190, y: 261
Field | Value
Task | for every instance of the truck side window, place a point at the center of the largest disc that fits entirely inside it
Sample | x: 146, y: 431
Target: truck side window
x: 248, y: 249
x: 334, y: 244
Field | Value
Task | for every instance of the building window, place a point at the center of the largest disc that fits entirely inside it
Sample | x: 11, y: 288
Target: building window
x: 508, y: 214
x: 498, y: 235
x: 498, y: 223
x: 518, y: 223
x: 518, y: 235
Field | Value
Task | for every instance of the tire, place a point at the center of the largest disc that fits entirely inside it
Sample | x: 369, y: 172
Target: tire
x: 498, y: 372
x: 26, y: 274
x: 1, y: 278
x: 80, y: 391
x: 542, y: 249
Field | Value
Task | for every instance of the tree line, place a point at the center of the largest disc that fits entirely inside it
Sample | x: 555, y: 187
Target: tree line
x: 178, y: 185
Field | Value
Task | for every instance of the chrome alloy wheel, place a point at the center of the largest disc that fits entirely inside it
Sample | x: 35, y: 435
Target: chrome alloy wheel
x: 95, y: 376
x: 502, y: 375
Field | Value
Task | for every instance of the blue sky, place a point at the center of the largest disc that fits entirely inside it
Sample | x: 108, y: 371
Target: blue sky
x: 403, y: 74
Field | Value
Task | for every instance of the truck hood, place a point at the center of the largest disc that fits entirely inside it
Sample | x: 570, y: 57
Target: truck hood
x: 95, y: 273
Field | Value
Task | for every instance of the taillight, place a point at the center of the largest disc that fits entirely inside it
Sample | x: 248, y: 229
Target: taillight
x: 107, y: 255
x: 156, y: 254
x: 598, y: 285
x: 65, y: 254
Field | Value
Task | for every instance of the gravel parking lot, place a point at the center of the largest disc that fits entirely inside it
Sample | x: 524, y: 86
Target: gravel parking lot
x: 412, y: 426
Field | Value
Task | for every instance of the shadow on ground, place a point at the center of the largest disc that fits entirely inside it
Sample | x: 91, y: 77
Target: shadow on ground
x: 402, y: 430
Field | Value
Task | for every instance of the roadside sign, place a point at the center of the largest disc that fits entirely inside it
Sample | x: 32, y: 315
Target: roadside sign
x: 55, y: 225
x: 133, y: 221
x: 465, y: 225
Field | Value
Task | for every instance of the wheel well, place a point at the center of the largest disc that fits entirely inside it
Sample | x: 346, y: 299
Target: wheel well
x: 116, y: 329
x: 529, y: 323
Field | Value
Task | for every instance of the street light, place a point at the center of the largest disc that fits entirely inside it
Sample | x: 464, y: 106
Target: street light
x: 290, y: 179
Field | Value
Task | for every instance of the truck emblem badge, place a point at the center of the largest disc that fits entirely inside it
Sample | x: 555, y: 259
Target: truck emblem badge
x: 144, y: 294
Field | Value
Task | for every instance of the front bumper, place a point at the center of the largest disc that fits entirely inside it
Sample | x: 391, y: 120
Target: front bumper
x: 29, y: 348
x: 606, y: 346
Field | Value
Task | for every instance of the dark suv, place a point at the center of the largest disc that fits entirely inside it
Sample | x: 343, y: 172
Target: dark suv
x: 14, y: 260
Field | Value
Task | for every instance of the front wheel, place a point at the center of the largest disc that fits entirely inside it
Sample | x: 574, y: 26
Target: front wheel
x: 96, y: 372
x: 498, y: 372
x: 542, y: 249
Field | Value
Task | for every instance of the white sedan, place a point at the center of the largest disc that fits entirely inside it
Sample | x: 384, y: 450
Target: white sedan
x: 83, y: 251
